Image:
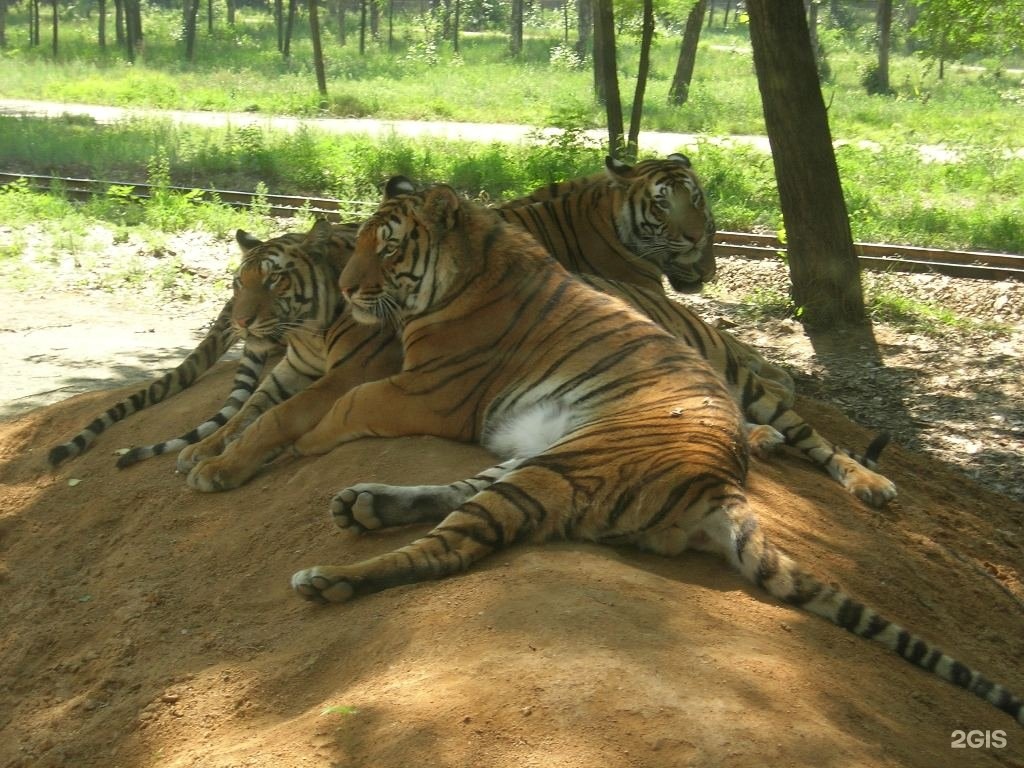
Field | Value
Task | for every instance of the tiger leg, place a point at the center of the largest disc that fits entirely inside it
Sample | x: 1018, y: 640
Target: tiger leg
x: 491, y: 520
x: 866, y: 484
x: 368, y: 506
x: 733, y: 532
x: 273, y: 431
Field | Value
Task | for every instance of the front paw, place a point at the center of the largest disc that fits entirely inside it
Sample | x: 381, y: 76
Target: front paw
x: 217, y: 474
x: 352, y: 510
x: 192, y: 455
x: 870, y: 487
x: 323, y: 584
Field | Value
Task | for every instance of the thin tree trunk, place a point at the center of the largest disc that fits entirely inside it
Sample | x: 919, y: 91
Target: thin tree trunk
x: 119, y: 32
x: 584, y: 27
x: 711, y: 12
x: 289, y: 26
x: 3, y: 23
x: 604, y: 42
x: 318, y: 53
x: 515, y: 43
x: 231, y: 12
x: 884, y: 39
x: 822, y: 262
x: 341, y: 22
x: 455, y: 25
x: 101, y: 33
x: 679, y: 91
x: 725, y: 18
x: 191, y: 22
x: 209, y: 16
x: 56, y: 16
x: 642, y: 72
x: 279, y: 23
x: 362, y: 27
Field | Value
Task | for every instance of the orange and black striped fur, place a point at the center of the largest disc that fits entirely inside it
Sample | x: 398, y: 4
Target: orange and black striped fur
x: 620, y: 234
x: 617, y: 430
x: 285, y: 296
x: 632, y: 223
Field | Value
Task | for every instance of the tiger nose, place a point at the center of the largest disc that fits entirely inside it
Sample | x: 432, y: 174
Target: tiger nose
x: 245, y: 322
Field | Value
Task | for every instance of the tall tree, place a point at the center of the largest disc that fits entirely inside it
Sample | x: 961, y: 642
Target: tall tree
x: 679, y: 91
x: 584, y: 27
x: 822, y: 262
x: 318, y: 52
x: 642, y: 71
x: 3, y: 23
x: 515, y: 41
x: 191, y: 22
x: 288, y: 27
x: 362, y: 27
x: 606, y: 72
x: 56, y: 16
x: 101, y: 32
x: 883, y: 19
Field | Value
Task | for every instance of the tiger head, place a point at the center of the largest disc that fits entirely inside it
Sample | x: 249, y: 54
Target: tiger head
x: 396, y: 269
x: 663, y: 216
x: 288, y: 283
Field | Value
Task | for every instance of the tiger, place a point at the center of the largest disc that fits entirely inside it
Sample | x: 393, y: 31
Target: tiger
x: 615, y: 431
x: 285, y: 297
x: 212, y: 466
x: 632, y: 223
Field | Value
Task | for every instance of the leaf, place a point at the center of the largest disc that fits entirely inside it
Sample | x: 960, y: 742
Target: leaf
x: 74, y: 481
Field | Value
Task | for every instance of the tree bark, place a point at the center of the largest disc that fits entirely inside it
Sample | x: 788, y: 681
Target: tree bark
x: 56, y: 17
x: 822, y: 262
x: 318, y: 51
x: 191, y: 22
x: 3, y: 23
x: 362, y: 27
x: 606, y: 72
x: 289, y: 25
x: 515, y: 42
x: 101, y: 31
x: 679, y: 91
x: 884, y: 36
x: 642, y: 72
x: 584, y: 27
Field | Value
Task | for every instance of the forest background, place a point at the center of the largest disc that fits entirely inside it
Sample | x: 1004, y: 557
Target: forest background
x: 931, y: 153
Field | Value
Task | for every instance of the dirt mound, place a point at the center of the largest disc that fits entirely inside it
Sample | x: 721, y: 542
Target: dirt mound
x: 148, y: 625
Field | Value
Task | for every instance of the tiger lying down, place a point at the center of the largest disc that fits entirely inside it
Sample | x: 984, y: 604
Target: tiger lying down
x: 614, y: 430
x: 285, y: 291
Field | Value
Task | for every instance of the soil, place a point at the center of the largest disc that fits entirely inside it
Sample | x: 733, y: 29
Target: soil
x: 148, y: 625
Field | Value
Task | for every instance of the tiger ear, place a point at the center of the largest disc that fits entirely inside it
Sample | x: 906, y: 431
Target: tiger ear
x: 441, y: 205
x: 319, y: 233
x: 398, y: 185
x: 679, y: 157
x: 246, y: 241
x: 617, y: 170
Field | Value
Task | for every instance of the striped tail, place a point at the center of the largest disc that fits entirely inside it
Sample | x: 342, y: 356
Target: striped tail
x: 247, y: 377
x: 769, y: 568
x: 216, y: 342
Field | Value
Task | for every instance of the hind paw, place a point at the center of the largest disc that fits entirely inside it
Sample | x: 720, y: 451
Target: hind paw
x: 763, y: 439
x: 322, y: 584
x: 352, y: 510
x: 870, y: 487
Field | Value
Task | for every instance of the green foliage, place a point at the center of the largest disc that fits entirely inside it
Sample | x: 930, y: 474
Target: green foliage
x: 951, y: 30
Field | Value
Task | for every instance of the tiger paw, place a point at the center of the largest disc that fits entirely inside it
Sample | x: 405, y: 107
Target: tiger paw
x: 191, y: 455
x: 322, y: 584
x: 217, y: 474
x: 352, y: 510
x: 870, y: 487
x: 763, y: 439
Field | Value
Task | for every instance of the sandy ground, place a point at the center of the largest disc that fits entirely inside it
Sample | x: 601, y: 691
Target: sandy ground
x: 148, y: 625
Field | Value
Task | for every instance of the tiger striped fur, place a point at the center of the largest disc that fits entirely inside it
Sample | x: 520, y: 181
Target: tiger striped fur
x: 633, y: 223
x: 620, y: 432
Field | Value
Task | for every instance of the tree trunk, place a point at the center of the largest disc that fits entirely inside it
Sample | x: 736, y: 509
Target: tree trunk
x: 711, y: 12
x: 455, y: 25
x: 3, y: 23
x: 279, y: 23
x: 884, y: 36
x: 341, y: 22
x: 362, y: 27
x: 822, y: 262
x: 191, y: 22
x: 318, y: 53
x: 725, y: 18
x: 642, y: 71
x: 56, y: 17
x: 231, y: 12
x: 101, y: 32
x: 209, y: 16
x: 119, y: 32
x: 515, y: 41
x: 33, y: 22
x: 288, y: 27
x: 584, y: 27
x: 607, y: 75
x: 679, y: 91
